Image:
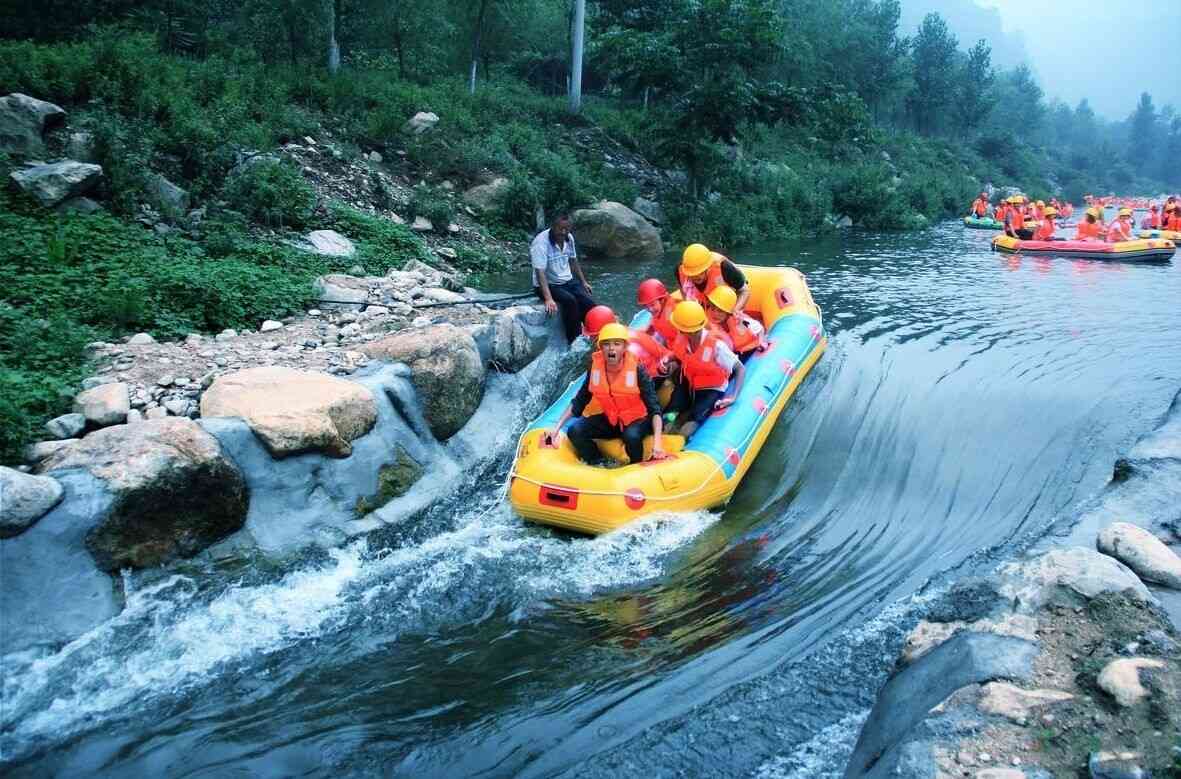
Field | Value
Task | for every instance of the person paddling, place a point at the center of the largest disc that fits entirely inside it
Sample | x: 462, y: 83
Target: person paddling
x: 626, y: 399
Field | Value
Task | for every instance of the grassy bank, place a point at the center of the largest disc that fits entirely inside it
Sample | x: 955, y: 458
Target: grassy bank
x: 74, y: 279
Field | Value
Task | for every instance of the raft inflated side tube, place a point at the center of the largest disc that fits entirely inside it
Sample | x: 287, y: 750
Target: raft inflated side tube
x: 983, y: 223
x: 1143, y: 250
x: 1168, y: 235
x: 550, y: 485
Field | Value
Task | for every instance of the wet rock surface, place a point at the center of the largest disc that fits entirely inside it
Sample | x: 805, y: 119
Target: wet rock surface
x: 174, y: 491
x: 1143, y: 552
x: 24, y: 499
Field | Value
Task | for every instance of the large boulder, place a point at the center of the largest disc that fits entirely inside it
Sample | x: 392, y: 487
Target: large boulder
x: 174, y: 491
x: 1143, y: 552
x: 513, y: 338
x: 23, y: 122
x: 24, y: 499
x: 170, y: 199
x: 52, y: 183
x: 329, y: 243
x: 1070, y: 575
x: 421, y: 122
x: 106, y: 404
x: 293, y: 411
x: 649, y: 209
x: 613, y: 230
x: 338, y: 290
x: 486, y: 196
x: 445, y: 368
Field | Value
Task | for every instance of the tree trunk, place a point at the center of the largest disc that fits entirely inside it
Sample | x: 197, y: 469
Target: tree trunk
x: 333, y: 47
x: 476, y: 35
x: 646, y: 91
x: 576, y: 41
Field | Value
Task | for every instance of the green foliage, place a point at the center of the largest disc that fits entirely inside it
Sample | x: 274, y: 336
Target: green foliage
x: 273, y: 193
x: 430, y: 205
x: 382, y: 243
x: 518, y: 203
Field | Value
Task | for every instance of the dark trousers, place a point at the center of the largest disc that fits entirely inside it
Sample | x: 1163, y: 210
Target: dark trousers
x: 699, y: 404
x: 1023, y: 234
x: 584, y: 430
x: 573, y: 303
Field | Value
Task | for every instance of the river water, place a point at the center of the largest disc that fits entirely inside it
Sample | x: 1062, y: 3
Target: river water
x: 966, y: 401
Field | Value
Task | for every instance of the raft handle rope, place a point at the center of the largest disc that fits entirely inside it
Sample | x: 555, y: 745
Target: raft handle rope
x: 705, y: 481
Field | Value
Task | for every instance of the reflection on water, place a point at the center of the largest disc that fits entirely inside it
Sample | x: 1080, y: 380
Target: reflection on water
x: 967, y: 399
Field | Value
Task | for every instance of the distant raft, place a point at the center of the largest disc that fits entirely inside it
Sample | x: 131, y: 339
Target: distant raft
x: 550, y: 485
x: 1142, y: 250
x: 1168, y: 235
x: 983, y: 223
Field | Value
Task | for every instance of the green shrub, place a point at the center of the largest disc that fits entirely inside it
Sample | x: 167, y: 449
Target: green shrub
x: 381, y: 243
x: 517, y: 206
x: 273, y: 193
x: 430, y: 205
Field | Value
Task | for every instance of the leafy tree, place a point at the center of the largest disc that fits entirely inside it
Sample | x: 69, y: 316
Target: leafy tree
x: 934, y: 53
x: 974, y: 99
x: 1143, y: 134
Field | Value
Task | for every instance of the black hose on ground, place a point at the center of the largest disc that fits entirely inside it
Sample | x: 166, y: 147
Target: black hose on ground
x: 485, y: 301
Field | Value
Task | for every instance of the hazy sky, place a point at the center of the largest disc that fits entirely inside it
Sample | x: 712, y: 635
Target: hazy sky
x: 1106, y: 51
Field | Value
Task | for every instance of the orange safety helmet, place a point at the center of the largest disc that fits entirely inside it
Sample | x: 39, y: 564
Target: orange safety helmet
x: 596, y: 318
x: 650, y: 290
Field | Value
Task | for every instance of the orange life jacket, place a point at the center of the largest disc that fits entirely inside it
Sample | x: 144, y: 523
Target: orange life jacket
x: 1045, y: 231
x: 1086, y: 230
x: 999, y: 214
x: 1174, y: 223
x: 713, y: 278
x: 1119, y: 232
x: 619, y: 395
x: 736, y: 332
x: 700, y: 368
x: 980, y: 207
x: 1154, y: 220
x: 662, y: 323
x: 648, y: 351
x: 1014, y: 219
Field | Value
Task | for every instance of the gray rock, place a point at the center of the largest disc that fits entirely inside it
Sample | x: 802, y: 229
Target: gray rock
x: 168, y: 198
x: 175, y: 492
x: 649, y: 209
x: 486, y: 197
x: 329, y: 243
x: 338, y: 291
x: 910, y: 694
x: 845, y: 222
x: 513, y: 341
x: 440, y: 295
x: 228, y: 334
x: 156, y: 412
x: 90, y: 382
x: 35, y: 453
x: 104, y: 405
x: 270, y: 325
x: 51, y: 591
x: 141, y: 339
x: 24, y: 499
x: 613, y: 230
x: 1141, y: 551
x: 375, y: 156
x: 52, y: 183
x: 134, y: 416
x: 422, y: 225
x: 1068, y: 576
x: 179, y: 407
x: 446, y: 370
x: 420, y: 123
x: 66, y: 426
x: 1116, y: 765
x: 23, y: 122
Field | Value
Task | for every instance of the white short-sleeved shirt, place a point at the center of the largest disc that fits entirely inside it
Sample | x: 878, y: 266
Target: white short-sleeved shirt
x: 552, y: 260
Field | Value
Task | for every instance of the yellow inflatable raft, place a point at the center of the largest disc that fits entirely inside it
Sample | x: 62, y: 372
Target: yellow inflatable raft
x: 550, y: 485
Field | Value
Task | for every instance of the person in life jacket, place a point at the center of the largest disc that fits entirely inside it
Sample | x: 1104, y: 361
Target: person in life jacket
x: 706, y: 363
x: 1088, y: 227
x: 701, y: 270
x: 646, y: 349
x: 1039, y: 211
x: 1045, y: 231
x: 980, y: 206
x: 626, y: 398
x: 1121, y: 228
x: 1152, y: 221
x: 1173, y: 222
x: 744, y: 334
x: 1015, y: 220
x: 653, y: 296
x: 595, y: 319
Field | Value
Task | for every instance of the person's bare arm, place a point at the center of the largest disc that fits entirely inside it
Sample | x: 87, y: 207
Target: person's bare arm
x: 550, y: 306
x: 577, y: 268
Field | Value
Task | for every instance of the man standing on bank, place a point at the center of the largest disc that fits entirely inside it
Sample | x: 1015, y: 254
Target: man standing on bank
x: 555, y: 264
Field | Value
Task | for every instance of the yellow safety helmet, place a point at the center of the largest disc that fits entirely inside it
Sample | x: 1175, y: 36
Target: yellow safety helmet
x: 614, y: 332
x: 1015, y: 200
x: 1092, y: 211
x: 1125, y: 212
x: 688, y: 316
x: 1051, y: 211
x: 696, y: 259
x: 1041, y: 204
x: 723, y: 297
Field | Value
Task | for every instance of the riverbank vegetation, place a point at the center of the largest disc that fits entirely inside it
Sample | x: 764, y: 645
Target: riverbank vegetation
x: 744, y: 119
